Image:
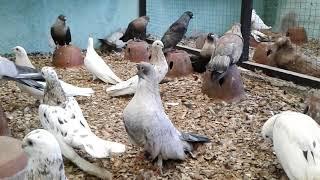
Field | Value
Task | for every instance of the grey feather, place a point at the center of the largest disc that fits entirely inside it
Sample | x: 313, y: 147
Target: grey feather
x: 148, y: 125
x: 176, y: 31
x: 228, y: 52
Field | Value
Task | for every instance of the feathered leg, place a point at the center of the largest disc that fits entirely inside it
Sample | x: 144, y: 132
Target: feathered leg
x: 84, y: 165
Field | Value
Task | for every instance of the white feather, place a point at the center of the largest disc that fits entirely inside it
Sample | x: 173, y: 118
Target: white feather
x: 257, y: 23
x: 22, y: 59
x: 44, y: 156
x: 294, y: 134
x: 160, y: 65
x: 97, y: 67
x: 69, y: 124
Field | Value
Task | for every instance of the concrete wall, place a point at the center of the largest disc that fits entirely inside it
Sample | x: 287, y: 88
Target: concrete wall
x: 27, y: 22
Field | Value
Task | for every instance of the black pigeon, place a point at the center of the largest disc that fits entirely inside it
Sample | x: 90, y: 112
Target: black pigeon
x: 60, y: 32
x: 176, y: 31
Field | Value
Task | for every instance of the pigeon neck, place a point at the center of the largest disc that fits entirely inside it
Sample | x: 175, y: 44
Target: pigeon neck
x: 51, y: 160
x: 23, y: 60
x: 156, y: 55
x: 146, y: 88
x: 54, y: 94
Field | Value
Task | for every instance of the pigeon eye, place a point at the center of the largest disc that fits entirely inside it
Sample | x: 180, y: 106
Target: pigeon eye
x: 30, y: 143
x: 17, y: 49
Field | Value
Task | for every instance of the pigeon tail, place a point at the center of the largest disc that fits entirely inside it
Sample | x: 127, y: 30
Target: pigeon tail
x: 99, y: 148
x: 72, y: 90
x: 193, y: 138
x: 124, y: 88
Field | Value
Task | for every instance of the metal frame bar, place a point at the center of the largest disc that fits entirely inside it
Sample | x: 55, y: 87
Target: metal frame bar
x: 245, y: 19
x: 142, y: 7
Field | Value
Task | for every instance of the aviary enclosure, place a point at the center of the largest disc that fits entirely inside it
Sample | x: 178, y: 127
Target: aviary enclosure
x: 278, y: 71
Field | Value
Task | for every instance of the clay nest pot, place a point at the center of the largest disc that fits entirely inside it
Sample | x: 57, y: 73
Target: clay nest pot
x: 298, y: 35
x: 263, y: 50
x: 231, y: 90
x: 137, y: 51
x: 13, y: 160
x: 179, y: 63
x: 67, y: 56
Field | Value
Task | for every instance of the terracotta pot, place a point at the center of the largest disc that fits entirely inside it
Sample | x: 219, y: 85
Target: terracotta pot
x: 137, y: 51
x: 298, y: 35
x: 67, y: 56
x: 253, y: 42
x: 231, y: 90
x: 179, y: 63
x: 13, y: 160
x: 261, y: 53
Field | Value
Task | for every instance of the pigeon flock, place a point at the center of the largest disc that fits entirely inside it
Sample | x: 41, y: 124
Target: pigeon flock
x: 65, y: 131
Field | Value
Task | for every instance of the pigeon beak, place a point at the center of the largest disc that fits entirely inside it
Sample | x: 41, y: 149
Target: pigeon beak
x: 23, y: 145
x: 140, y: 71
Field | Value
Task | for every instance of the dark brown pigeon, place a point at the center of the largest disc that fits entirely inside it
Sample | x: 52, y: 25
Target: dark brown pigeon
x: 136, y: 29
x: 176, y: 31
x: 60, y: 32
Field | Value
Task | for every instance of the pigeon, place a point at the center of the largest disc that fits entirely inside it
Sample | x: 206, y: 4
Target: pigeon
x: 209, y: 45
x: 44, y: 156
x: 136, y: 29
x: 176, y: 31
x: 62, y: 116
x: 160, y: 65
x: 289, y: 20
x: 113, y: 41
x: 21, y: 74
x: 99, y: 69
x: 148, y: 126
x: 22, y: 59
x: 60, y: 32
x: 228, y: 52
x: 257, y: 23
x: 296, y: 142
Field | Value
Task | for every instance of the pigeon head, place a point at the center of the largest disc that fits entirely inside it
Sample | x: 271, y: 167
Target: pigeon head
x: 158, y: 44
x: 49, y: 74
x: 147, y: 18
x: 62, y: 17
x: 211, y: 37
x: 146, y: 71
x: 18, y: 50
x: 90, y: 42
x: 189, y: 13
x: 40, y: 142
x: 267, y: 128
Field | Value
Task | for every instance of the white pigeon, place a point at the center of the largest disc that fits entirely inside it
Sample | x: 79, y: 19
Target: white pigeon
x: 63, y: 117
x: 296, y: 142
x: 160, y: 65
x: 44, y: 156
x: 97, y: 67
x: 257, y: 23
x: 22, y: 59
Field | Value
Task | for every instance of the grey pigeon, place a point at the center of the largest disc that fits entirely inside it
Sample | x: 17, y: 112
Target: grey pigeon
x: 136, y: 29
x: 45, y: 159
x: 176, y: 31
x: 22, y: 74
x: 228, y: 52
x: 149, y: 127
x: 60, y: 32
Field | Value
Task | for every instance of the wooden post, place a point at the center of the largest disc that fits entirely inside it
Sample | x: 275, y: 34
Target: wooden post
x: 246, y: 11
